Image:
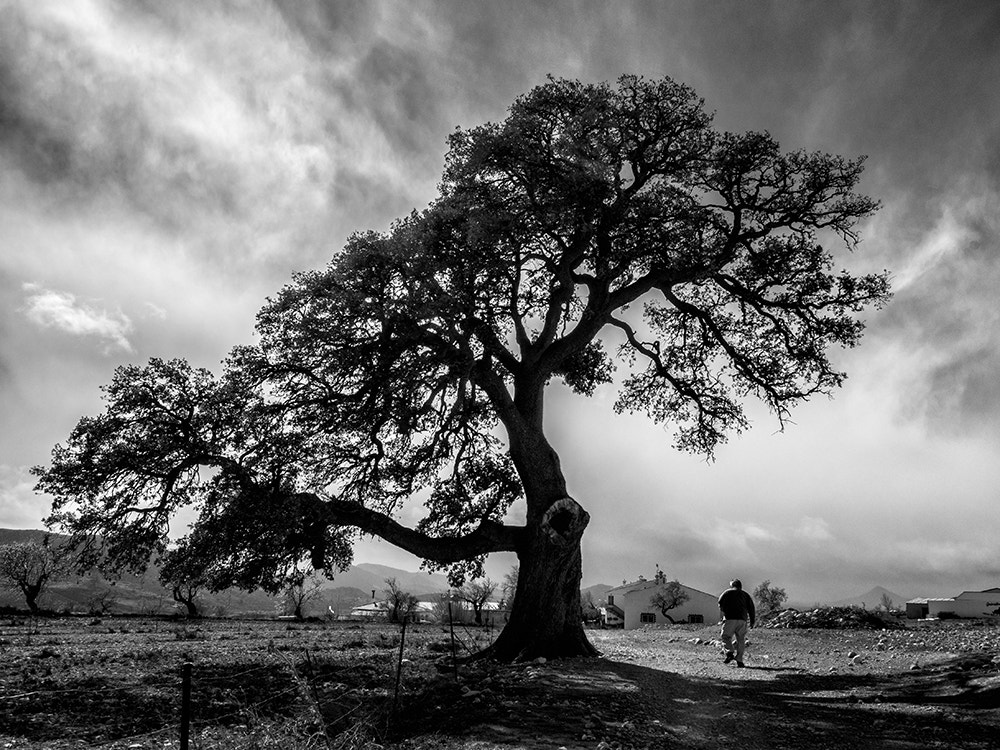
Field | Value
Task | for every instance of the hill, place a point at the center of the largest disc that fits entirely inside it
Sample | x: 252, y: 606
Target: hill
x: 132, y: 594
x: 872, y: 599
x: 13, y: 536
x: 598, y: 593
x: 370, y: 577
x: 143, y: 594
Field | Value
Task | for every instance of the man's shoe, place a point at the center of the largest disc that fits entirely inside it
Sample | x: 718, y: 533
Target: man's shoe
x: 729, y: 657
x: 740, y: 664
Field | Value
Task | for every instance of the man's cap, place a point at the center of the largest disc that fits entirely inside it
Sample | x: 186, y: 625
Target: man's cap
x: 736, y: 583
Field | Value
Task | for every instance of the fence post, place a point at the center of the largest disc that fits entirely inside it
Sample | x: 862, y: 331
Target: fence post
x: 399, y: 664
x: 185, y: 705
x: 451, y: 627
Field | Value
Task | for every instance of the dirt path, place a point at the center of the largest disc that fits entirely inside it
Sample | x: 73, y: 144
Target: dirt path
x: 799, y: 690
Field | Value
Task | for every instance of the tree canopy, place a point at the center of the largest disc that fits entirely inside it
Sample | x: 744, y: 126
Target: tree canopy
x: 670, y: 595
x: 600, y: 233
x: 769, y: 598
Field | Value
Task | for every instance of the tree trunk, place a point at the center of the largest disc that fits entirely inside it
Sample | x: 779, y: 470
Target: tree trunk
x: 188, y: 600
x: 545, y: 618
x: 31, y: 593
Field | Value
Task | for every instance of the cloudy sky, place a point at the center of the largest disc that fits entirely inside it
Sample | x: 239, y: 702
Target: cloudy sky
x: 166, y: 166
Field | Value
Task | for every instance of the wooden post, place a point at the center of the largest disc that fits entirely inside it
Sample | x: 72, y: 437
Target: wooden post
x: 185, y: 705
x: 399, y: 664
x: 451, y: 626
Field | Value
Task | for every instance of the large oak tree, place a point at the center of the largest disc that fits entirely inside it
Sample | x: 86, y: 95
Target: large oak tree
x: 599, y: 233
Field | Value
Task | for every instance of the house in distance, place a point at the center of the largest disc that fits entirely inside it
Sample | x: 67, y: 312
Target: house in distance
x: 967, y: 604
x: 642, y: 602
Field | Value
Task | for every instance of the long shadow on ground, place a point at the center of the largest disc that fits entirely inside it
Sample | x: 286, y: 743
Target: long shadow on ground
x: 581, y: 703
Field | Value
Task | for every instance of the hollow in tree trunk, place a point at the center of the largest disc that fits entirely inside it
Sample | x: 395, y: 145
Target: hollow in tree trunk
x: 545, y: 619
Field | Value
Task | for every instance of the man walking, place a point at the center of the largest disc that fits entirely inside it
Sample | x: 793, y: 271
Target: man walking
x: 737, y: 612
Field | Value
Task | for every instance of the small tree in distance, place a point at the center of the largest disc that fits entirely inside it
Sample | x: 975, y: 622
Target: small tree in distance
x: 669, y: 596
x: 509, y: 586
x: 103, y: 600
x: 769, y: 598
x: 301, y: 590
x: 30, y: 567
x: 186, y: 593
x: 183, y: 577
x: 476, y: 594
x: 400, y: 603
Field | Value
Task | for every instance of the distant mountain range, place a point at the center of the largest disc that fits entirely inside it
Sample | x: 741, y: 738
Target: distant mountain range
x: 598, y: 593
x: 141, y: 594
x: 11, y: 536
x: 369, y: 577
x: 131, y: 594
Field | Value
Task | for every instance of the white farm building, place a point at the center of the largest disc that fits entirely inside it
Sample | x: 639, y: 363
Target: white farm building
x: 631, y: 605
x: 967, y: 604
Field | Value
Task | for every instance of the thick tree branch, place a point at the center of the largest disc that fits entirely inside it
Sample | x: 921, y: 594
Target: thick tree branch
x: 488, y: 536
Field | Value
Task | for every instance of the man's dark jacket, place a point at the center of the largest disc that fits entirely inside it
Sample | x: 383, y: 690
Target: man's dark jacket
x: 736, y: 604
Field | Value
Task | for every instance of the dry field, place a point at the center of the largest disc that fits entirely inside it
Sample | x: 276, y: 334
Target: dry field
x: 115, y: 683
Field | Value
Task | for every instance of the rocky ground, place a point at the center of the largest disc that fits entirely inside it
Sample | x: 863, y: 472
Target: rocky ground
x: 915, y: 687
x: 114, y: 684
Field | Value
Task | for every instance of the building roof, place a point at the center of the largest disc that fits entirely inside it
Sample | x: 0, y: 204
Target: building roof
x: 643, y: 584
x: 987, y: 591
x: 924, y: 600
x: 379, y: 607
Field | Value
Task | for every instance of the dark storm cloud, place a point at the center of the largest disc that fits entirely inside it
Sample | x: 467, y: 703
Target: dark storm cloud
x: 328, y: 27
x: 944, y: 314
x: 39, y: 147
x: 913, y: 86
x: 222, y: 126
x: 402, y: 97
x: 964, y: 392
x: 78, y: 123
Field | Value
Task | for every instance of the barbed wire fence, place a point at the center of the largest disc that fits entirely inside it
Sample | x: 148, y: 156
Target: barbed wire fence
x: 189, y: 681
